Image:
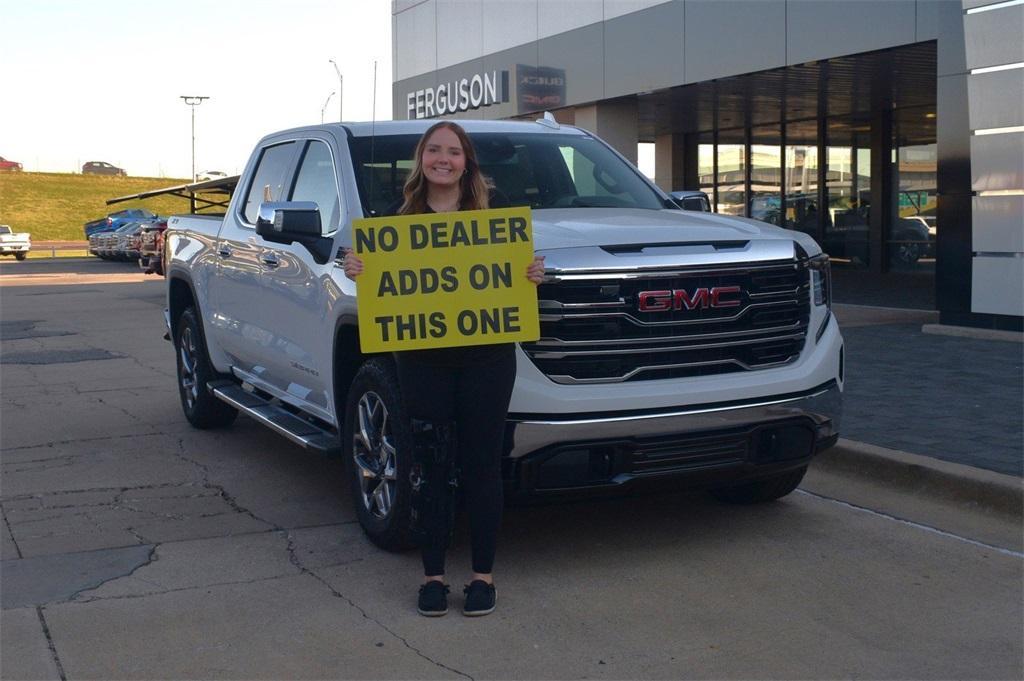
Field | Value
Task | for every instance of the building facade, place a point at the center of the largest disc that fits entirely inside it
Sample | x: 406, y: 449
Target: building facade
x: 890, y: 130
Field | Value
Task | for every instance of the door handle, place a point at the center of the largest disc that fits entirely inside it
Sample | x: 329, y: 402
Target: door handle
x: 269, y: 260
x: 224, y: 251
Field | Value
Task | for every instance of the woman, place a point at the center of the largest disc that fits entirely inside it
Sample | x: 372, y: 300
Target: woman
x: 467, y: 387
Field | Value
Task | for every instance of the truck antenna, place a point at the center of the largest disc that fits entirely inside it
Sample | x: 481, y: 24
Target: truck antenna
x: 373, y: 138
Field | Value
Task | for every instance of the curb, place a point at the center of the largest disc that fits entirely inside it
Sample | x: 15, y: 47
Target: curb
x: 908, y: 472
x: 971, y: 332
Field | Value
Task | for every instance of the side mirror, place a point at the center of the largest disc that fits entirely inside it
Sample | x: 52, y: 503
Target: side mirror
x: 287, y: 221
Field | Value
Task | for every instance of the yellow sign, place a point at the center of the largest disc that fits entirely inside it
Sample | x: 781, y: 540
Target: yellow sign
x: 445, y: 280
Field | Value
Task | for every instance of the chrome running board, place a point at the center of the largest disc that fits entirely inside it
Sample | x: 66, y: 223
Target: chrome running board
x: 277, y: 418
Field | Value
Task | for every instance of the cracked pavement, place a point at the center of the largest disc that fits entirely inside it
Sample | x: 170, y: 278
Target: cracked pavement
x: 134, y: 547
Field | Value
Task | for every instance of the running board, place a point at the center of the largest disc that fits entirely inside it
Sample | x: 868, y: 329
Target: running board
x: 276, y: 418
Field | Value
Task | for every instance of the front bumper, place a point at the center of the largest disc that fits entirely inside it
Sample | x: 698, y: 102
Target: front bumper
x: 707, y: 444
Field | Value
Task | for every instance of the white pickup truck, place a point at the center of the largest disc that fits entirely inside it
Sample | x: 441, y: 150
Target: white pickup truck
x: 675, y: 345
x: 14, y: 243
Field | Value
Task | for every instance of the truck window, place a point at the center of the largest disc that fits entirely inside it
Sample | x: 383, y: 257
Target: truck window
x: 537, y: 170
x: 316, y: 182
x: 270, y: 172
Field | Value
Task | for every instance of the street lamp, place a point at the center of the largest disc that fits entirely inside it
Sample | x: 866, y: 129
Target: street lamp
x: 193, y: 101
x: 341, y: 88
x: 324, y: 108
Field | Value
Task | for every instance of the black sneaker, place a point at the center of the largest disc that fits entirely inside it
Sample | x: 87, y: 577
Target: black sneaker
x: 480, y: 599
x: 433, y: 600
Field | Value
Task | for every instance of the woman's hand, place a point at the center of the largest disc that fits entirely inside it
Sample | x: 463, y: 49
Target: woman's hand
x: 353, y: 264
x: 535, y: 272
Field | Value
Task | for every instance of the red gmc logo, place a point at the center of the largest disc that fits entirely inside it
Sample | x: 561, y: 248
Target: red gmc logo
x: 680, y: 299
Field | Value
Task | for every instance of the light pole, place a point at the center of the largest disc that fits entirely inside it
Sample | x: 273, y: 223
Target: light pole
x: 324, y: 108
x: 193, y: 101
x: 341, y: 88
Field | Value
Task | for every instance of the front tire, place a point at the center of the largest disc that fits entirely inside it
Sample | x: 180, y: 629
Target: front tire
x: 201, y: 408
x: 762, y: 490
x: 377, y: 445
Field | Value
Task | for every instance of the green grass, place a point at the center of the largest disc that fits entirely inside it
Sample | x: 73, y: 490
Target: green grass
x: 54, y: 206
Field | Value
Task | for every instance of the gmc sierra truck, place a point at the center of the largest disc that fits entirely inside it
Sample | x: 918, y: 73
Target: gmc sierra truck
x: 674, y: 344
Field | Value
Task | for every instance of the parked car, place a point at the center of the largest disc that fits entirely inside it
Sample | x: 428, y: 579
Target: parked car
x: 101, y: 168
x: 210, y: 175
x: 9, y: 166
x: 14, y: 243
x: 692, y: 199
x: 720, y: 368
x: 151, y: 247
x: 116, y: 220
x: 123, y: 243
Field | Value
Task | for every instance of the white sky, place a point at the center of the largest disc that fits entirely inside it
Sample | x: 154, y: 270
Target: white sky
x: 99, y: 80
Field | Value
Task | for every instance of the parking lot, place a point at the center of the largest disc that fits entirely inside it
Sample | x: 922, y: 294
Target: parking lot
x: 136, y: 547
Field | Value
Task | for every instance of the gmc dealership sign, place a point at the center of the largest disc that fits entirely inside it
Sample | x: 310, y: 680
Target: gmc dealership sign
x: 458, y: 95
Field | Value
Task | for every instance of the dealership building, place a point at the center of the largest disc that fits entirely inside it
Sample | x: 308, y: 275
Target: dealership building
x: 890, y: 130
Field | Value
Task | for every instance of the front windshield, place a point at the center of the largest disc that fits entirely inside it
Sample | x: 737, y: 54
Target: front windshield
x: 537, y: 170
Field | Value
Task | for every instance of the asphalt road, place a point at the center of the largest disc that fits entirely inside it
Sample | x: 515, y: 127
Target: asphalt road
x: 136, y: 547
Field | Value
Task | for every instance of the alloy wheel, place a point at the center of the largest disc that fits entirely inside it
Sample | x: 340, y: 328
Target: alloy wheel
x: 374, y: 454
x: 187, y: 372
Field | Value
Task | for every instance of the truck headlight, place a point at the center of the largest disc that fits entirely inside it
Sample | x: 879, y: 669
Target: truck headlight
x: 821, y: 280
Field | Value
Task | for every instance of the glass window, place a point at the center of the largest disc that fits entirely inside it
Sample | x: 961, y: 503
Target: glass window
x: 912, y: 240
x: 316, y: 182
x: 801, y: 177
x: 268, y: 180
x: 706, y: 165
x: 848, y: 191
x: 536, y: 170
x: 732, y: 163
x: 765, y: 175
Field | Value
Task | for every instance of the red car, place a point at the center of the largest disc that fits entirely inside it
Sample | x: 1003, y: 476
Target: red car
x: 9, y: 166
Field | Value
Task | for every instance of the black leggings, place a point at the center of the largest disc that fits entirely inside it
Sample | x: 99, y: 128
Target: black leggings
x: 475, y: 395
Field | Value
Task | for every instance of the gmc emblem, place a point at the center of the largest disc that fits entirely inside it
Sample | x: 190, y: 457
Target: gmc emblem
x: 679, y: 299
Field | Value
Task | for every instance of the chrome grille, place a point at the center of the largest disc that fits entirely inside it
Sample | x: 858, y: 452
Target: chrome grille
x: 592, y: 330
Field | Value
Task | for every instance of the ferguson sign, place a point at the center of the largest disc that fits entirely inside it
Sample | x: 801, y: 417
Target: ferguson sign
x: 458, y: 95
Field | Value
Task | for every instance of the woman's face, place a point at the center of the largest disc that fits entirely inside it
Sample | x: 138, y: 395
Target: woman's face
x: 443, y: 160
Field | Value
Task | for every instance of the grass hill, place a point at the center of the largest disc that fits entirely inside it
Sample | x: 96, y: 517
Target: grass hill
x: 54, y: 206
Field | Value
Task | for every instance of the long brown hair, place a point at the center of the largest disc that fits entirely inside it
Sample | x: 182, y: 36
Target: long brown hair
x: 474, y: 187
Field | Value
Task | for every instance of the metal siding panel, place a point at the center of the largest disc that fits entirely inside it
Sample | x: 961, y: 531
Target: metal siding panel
x: 996, y: 161
x: 998, y: 224
x: 465, y: 19
x: 562, y: 16
x: 642, y: 51
x: 821, y: 29
x: 617, y: 8
x: 508, y: 24
x: 995, y: 99
x: 416, y: 37
x: 507, y: 60
x: 729, y: 38
x: 951, y: 52
x: 997, y: 286
x: 580, y: 53
x: 928, y: 19
x: 995, y: 38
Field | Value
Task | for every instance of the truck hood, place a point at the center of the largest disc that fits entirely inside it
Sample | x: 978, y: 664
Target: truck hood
x: 569, y: 227
x: 625, y: 237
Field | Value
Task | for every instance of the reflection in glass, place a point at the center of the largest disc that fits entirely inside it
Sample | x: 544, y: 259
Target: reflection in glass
x: 848, y: 189
x: 706, y: 165
x: 802, y: 188
x: 912, y: 240
x: 765, y: 187
x: 731, y: 187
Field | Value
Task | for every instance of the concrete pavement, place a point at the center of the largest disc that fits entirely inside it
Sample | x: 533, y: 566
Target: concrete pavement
x: 136, y: 547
